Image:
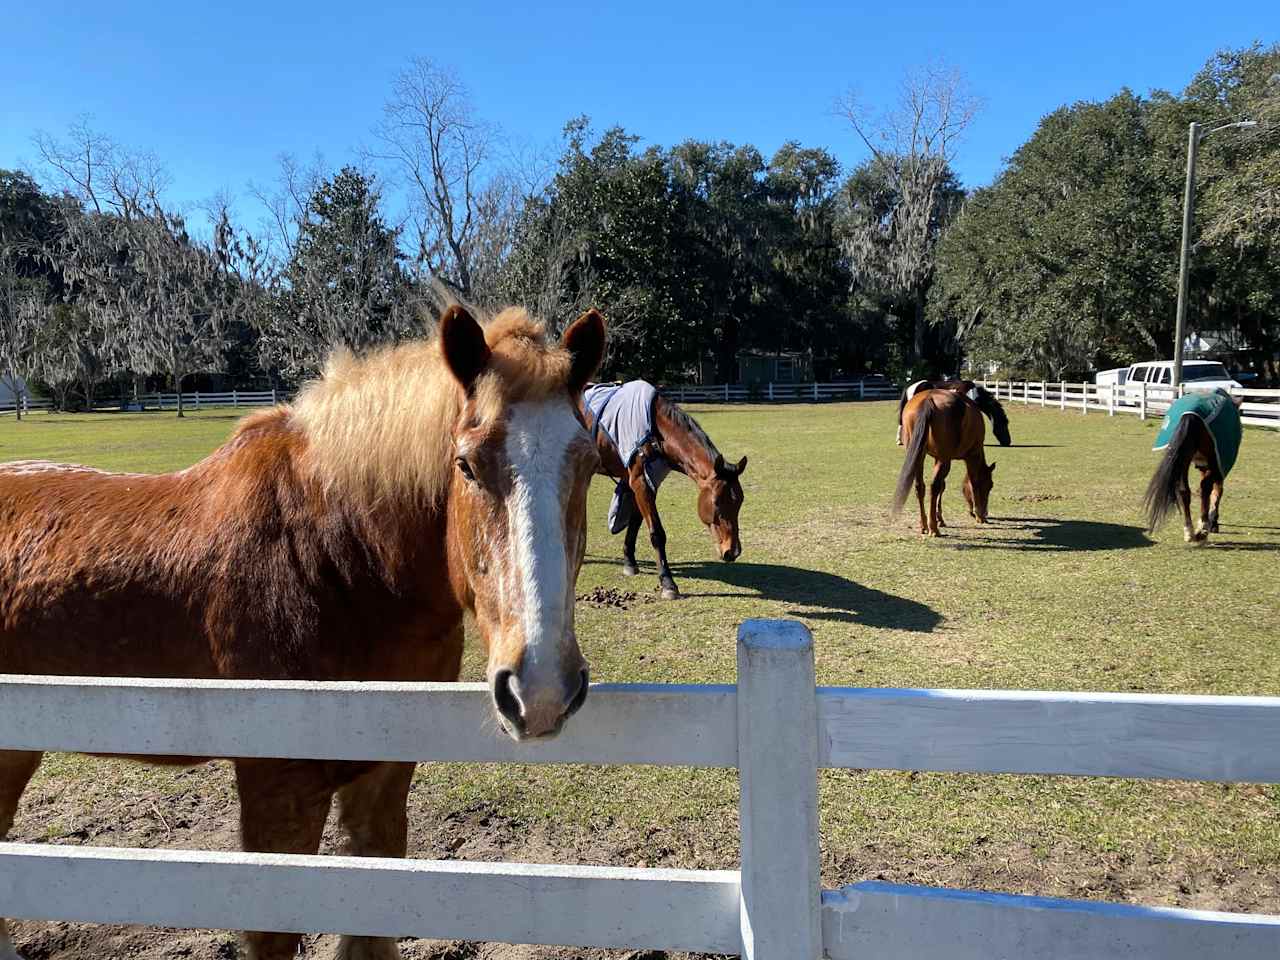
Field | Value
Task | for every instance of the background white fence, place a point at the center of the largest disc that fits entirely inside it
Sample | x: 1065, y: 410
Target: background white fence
x: 778, y: 392
x: 774, y: 726
x: 1261, y: 408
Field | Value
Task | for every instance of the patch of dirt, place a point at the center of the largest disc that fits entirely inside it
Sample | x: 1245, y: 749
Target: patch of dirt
x: 201, y: 813
x: 612, y: 597
x: 1035, y: 497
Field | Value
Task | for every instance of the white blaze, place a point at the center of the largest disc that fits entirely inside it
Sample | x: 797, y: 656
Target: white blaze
x: 538, y: 436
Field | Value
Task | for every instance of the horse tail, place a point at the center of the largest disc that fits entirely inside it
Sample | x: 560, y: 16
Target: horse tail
x: 1162, y: 491
x: 999, y: 419
x: 902, y: 403
x: 915, y: 454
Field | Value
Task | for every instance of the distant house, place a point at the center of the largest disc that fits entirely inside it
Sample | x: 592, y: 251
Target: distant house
x: 758, y: 366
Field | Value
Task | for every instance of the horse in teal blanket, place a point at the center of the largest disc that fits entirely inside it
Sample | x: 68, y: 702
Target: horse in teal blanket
x: 1203, y: 429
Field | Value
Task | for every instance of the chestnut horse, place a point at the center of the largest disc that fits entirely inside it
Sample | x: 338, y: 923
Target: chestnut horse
x: 985, y: 400
x: 948, y: 426
x: 340, y: 538
x: 678, y: 440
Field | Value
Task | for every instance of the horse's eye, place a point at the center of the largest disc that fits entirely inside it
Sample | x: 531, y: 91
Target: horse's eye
x: 465, y: 468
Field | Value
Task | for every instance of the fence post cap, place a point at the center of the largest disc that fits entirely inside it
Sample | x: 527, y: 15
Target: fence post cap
x: 774, y: 635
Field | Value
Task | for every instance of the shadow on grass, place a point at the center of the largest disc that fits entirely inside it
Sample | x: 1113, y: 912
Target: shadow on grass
x: 1024, y: 446
x: 816, y: 594
x: 1052, y: 534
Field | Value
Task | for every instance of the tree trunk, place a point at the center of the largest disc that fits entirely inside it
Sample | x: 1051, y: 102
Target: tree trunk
x: 177, y: 382
x: 921, y: 329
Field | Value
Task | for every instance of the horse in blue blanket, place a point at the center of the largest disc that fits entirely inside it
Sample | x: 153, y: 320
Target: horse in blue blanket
x: 1203, y: 429
x: 642, y: 436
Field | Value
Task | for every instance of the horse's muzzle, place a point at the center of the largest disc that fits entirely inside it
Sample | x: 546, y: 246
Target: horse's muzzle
x: 536, y: 717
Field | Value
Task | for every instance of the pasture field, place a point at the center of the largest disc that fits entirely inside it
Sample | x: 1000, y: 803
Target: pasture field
x: 1062, y: 591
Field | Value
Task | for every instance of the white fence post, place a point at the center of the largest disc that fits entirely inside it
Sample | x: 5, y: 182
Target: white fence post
x: 274, y: 401
x: 1044, y: 393
x: 815, y: 391
x: 1062, y: 394
x: 1142, y: 400
x: 862, y: 389
x: 726, y: 393
x: 771, y: 391
x: 235, y: 398
x: 781, y: 909
x: 1084, y: 398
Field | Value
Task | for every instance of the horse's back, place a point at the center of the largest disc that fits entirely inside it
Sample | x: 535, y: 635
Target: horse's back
x: 956, y: 427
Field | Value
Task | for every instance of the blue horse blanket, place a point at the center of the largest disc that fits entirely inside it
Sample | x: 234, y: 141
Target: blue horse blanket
x: 624, y: 412
x: 1219, y: 414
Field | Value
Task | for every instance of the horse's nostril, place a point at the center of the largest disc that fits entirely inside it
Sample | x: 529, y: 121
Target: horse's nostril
x: 580, y: 696
x: 505, y: 699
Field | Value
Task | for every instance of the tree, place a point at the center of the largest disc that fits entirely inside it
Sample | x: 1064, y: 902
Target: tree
x: 343, y: 283
x: 900, y: 200
x: 463, y: 213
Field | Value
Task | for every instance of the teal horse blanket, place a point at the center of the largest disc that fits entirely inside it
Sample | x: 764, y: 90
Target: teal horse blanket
x: 1219, y: 414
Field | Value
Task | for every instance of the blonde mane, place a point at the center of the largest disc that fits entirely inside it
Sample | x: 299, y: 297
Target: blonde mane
x: 381, y: 426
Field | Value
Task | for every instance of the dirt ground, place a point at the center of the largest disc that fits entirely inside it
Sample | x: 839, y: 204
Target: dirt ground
x: 196, y: 809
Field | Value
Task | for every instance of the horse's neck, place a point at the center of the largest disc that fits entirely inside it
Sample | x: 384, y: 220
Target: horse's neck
x: 686, y: 452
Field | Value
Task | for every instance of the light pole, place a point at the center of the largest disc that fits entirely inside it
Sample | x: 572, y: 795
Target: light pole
x: 1188, y: 210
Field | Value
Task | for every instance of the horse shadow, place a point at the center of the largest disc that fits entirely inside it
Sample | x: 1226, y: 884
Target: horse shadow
x: 813, y: 594
x: 1052, y: 534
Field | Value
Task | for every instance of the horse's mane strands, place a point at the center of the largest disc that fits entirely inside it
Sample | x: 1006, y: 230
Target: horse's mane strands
x: 691, y: 425
x: 381, y: 426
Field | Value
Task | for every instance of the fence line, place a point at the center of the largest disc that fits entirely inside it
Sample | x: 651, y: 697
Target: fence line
x: 1261, y: 408
x: 814, y: 392
x: 775, y: 726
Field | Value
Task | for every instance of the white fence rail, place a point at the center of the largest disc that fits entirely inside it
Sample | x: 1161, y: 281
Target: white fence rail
x: 778, y: 392
x: 28, y: 404
x: 774, y: 726
x: 194, y: 400
x: 1261, y: 408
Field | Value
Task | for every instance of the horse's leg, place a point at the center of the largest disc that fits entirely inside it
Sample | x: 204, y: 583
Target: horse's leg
x: 924, y: 520
x: 1214, y: 501
x: 937, y: 486
x: 629, y: 568
x: 1206, y: 491
x: 1184, y: 498
x: 647, y: 504
x: 283, y: 807
x: 16, y: 770
x: 371, y: 813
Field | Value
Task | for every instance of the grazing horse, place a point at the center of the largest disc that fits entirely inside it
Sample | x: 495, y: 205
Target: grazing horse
x: 985, y: 400
x: 340, y: 538
x: 662, y: 438
x: 948, y: 426
x: 1203, y: 429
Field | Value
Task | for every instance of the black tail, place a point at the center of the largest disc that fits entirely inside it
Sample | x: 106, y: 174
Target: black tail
x: 989, y: 405
x: 1162, y: 492
x: 915, y: 454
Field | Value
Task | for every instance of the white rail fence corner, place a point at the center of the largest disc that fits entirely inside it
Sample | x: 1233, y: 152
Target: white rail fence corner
x: 775, y: 726
x: 1259, y: 408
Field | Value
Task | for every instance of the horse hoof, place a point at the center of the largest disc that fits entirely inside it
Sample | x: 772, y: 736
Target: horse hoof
x: 630, y: 569
x: 670, y: 592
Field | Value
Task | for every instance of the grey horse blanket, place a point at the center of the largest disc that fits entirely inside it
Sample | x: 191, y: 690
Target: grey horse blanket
x: 624, y: 411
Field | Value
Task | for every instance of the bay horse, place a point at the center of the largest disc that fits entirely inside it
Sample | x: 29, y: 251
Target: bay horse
x: 1200, y: 429
x: 676, y: 440
x: 980, y: 395
x: 340, y: 538
x: 947, y: 426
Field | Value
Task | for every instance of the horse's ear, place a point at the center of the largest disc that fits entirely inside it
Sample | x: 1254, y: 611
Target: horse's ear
x: 742, y: 466
x: 992, y: 468
x: 585, y: 342
x: 463, y: 345
x: 718, y: 466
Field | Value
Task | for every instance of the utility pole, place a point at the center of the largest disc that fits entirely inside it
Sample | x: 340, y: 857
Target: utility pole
x: 1194, y: 136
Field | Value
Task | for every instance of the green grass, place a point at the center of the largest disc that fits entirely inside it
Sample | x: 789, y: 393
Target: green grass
x: 1062, y: 591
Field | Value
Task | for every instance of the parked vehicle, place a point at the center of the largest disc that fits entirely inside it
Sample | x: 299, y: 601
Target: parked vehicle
x: 1196, y: 375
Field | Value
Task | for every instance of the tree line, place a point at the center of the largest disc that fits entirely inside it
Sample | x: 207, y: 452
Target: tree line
x: 696, y: 252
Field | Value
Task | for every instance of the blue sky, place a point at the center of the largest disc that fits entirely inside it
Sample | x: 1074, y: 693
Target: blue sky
x: 218, y: 91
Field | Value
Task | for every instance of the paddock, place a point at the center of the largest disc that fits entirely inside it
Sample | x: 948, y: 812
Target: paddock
x: 1061, y: 593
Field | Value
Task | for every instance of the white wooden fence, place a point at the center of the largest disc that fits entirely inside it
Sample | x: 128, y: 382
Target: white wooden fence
x: 195, y: 400
x: 1261, y: 408
x: 778, y: 392
x: 774, y: 726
